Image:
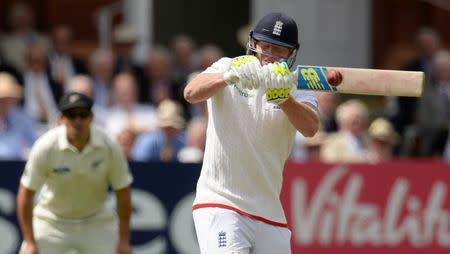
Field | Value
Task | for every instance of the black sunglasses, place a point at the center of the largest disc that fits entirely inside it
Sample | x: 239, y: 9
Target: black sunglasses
x: 74, y: 114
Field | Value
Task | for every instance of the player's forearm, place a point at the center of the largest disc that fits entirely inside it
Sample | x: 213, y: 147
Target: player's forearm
x: 304, y: 118
x: 203, y: 87
x: 124, y: 211
x: 24, y: 201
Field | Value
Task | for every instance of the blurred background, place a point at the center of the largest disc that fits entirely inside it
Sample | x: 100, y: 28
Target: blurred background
x: 134, y: 58
x: 155, y: 45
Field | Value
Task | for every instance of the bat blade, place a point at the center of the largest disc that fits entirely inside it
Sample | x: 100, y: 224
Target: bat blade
x: 362, y: 81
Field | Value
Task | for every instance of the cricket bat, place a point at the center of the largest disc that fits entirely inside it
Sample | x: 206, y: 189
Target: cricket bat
x: 362, y: 81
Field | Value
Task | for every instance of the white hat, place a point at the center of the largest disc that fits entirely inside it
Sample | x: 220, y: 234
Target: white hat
x: 382, y: 129
x: 9, y: 87
x: 124, y: 34
x: 170, y: 114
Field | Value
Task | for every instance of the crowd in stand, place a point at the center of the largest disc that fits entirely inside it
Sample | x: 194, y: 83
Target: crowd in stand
x: 142, y: 105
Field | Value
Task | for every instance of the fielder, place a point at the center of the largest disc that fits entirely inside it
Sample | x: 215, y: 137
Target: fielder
x: 253, y: 115
x: 75, y: 164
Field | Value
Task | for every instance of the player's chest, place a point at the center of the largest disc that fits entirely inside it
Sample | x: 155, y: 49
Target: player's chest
x: 253, y: 105
x: 79, y: 167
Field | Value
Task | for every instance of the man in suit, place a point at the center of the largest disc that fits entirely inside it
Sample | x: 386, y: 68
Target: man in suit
x: 62, y: 65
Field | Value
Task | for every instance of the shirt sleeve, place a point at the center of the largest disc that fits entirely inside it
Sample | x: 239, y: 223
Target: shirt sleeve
x: 222, y: 65
x: 36, y: 169
x: 119, y: 174
x: 307, y: 96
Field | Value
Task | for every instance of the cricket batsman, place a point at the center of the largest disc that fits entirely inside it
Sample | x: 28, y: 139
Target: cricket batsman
x: 253, y: 115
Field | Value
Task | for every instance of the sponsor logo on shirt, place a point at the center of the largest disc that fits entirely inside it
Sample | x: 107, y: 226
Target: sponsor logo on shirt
x: 242, y: 92
x: 95, y: 164
x: 61, y: 170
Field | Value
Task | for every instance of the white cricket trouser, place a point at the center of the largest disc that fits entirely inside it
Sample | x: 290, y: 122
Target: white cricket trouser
x: 222, y: 231
x: 90, y: 237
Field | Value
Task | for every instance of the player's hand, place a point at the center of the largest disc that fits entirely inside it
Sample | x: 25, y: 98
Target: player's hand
x: 244, y: 71
x: 124, y: 248
x: 277, y: 80
x: 30, y: 249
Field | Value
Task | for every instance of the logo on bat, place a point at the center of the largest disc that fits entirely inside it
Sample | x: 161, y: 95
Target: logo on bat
x: 312, y: 78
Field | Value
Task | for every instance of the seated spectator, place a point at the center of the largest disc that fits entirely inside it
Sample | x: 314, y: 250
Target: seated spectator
x: 5, y: 66
x: 434, y: 109
x: 62, y: 64
x: 124, y: 40
x: 101, y: 69
x: 159, y: 85
x: 22, y: 34
x: 126, y: 140
x: 313, y: 145
x: 182, y: 58
x: 164, y: 144
x: 328, y: 103
x: 40, y: 94
x: 195, y: 141
x: 208, y: 54
x: 349, y: 143
x: 83, y: 84
x: 17, y: 130
x: 382, y: 141
x: 126, y: 112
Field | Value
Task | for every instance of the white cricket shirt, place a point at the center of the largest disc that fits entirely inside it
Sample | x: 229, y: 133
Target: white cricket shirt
x: 248, y: 142
x: 74, y: 184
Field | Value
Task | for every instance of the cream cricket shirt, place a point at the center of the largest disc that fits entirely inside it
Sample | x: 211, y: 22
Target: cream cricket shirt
x: 248, y: 142
x: 74, y: 185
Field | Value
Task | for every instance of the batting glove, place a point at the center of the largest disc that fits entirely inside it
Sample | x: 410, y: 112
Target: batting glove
x: 277, y: 80
x: 244, y: 71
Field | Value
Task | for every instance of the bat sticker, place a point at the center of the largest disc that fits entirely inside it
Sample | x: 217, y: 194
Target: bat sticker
x: 313, y: 78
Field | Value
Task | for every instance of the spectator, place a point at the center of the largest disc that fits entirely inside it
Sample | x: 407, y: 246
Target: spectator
x: 165, y: 143
x: 183, y: 59
x: 62, y: 64
x: 126, y: 139
x: 21, y: 36
x: 208, y: 55
x: 124, y: 40
x: 313, y: 145
x: 403, y: 110
x: 17, y: 132
x: 328, y: 103
x: 434, y: 109
x: 159, y: 86
x: 101, y: 68
x: 83, y: 84
x: 349, y: 143
x: 195, y: 141
x: 126, y: 112
x: 40, y: 90
x: 5, y: 66
x: 382, y: 140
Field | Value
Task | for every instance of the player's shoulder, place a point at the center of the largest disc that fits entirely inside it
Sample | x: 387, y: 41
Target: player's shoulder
x: 221, y: 65
x: 102, y: 138
x: 49, y: 140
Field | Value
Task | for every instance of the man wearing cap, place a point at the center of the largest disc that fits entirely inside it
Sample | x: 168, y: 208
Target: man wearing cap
x: 165, y: 143
x: 75, y: 164
x: 253, y: 115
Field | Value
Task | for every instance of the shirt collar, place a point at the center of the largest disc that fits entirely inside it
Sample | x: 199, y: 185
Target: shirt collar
x: 63, y: 142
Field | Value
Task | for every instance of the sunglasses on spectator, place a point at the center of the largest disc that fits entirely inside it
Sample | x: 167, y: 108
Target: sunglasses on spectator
x: 75, y: 114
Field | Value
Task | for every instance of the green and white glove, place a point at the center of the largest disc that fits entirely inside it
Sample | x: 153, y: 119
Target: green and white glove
x: 244, y: 71
x: 277, y: 81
